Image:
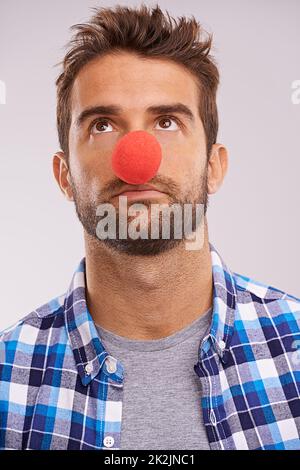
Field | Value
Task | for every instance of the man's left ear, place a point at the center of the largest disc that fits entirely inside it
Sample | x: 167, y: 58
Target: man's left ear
x: 217, y: 167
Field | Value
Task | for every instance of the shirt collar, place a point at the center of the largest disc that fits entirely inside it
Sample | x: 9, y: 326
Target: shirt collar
x: 90, y: 354
x: 224, y: 305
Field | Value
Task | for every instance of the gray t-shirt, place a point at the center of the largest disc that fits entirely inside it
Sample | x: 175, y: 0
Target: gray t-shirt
x: 162, y: 392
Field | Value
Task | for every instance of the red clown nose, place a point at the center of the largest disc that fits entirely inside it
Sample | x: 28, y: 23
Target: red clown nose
x: 136, y: 157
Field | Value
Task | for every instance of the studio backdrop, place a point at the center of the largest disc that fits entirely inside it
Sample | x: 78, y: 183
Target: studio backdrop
x: 254, y: 217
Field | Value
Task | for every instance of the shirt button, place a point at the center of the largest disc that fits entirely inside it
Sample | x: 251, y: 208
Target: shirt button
x: 108, y: 441
x: 212, y: 417
x: 88, y: 368
x: 111, y: 365
x: 222, y: 345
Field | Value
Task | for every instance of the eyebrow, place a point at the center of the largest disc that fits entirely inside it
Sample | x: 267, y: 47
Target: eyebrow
x: 113, y: 110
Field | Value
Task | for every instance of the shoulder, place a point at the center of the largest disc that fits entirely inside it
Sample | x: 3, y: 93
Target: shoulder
x: 261, y: 299
x: 27, y: 328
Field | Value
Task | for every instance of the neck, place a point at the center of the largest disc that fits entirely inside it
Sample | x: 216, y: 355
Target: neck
x: 147, y: 297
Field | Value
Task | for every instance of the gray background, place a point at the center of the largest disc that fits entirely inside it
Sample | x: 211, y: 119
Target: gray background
x: 253, y: 219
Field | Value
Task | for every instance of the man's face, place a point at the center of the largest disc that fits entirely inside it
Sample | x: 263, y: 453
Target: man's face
x: 134, y: 84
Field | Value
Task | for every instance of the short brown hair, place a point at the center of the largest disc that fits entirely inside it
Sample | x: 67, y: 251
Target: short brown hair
x: 148, y: 33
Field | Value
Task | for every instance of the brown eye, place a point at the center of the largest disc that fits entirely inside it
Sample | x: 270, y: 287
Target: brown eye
x: 100, y: 126
x: 165, y: 124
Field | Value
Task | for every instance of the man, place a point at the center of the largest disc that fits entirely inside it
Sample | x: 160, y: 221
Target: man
x: 153, y: 346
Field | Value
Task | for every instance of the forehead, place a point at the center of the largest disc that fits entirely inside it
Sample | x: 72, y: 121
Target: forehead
x: 130, y: 81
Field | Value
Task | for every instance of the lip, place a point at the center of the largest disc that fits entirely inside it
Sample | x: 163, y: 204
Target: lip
x: 141, y: 194
x: 140, y: 191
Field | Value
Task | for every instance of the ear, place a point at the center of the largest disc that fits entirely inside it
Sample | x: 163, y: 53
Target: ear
x: 217, y: 167
x: 62, y: 174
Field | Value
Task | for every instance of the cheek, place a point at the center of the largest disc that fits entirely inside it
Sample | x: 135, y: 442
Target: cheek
x: 173, y: 154
x: 92, y: 152
x: 91, y: 169
x: 184, y: 162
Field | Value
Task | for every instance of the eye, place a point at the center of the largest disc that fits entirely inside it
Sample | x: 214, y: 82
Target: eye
x: 169, y: 127
x: 98, y: 126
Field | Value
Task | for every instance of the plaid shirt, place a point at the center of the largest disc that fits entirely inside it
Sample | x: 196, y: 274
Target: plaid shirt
x: 60, y: 389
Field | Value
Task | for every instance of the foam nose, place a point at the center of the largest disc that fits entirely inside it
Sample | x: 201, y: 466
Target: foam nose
x: 136, y: 157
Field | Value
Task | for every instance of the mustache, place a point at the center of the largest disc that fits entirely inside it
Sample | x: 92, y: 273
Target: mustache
x: 162, y: 183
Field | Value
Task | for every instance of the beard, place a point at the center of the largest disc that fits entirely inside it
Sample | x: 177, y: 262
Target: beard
x: 86, y: 210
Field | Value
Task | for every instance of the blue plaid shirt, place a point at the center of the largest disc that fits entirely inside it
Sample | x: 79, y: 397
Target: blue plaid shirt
x: 60, y: 389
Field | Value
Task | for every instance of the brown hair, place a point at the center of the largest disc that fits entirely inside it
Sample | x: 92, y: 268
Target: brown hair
x: 148, y: 33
